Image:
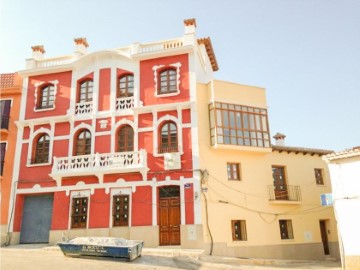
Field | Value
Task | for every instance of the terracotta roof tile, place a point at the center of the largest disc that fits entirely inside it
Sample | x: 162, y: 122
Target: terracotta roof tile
x: 210, y: 52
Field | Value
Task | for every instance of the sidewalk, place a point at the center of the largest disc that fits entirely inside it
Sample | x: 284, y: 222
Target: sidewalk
x: 32, y: 256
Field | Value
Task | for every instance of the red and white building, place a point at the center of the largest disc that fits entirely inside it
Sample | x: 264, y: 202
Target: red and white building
x: 107, y: 143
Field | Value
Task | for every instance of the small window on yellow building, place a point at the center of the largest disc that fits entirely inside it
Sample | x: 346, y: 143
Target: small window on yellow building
x: 286, y: 230
x: 319, y: 176
x: 238, y: 228
x: 233, y: 171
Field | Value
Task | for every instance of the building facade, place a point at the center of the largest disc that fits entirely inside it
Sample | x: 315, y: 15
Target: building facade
x: 106, y: 143
x: 344, y: 167
x: 10, y: 89
x: 259, y: 200
x: 141, y: 142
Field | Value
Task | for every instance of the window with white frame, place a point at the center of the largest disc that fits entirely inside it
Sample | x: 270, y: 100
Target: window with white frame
x: 167, y: 80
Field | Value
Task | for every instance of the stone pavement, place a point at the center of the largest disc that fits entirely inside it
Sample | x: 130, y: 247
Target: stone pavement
x: 37, y: 256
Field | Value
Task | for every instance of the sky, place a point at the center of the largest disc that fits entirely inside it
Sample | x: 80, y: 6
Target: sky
x: 305, y: 53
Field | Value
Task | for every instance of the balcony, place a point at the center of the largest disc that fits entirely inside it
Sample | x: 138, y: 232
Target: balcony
x: 100, y: 164
x: 83, y: 108
x: 125, y: 103
x: 284, y: 194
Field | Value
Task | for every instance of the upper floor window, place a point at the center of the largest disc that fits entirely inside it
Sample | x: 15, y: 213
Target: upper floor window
x: 125, y: 139
x: 126, y: 86
x: 83, y: 143
x: 2, y: 156
x: 233, y: 171
x: 167, y: 81
x: 5, y: 113
x: 238, y: 125
x: 319, y: 176
x: 46, y: 97
x: 168, y: 138
x: 86, y: 91
x: 42, y: 149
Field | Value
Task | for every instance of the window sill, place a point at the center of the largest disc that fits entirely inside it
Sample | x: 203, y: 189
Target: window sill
x: 168, y: 94
x: 44, y: 110
x: 38, y: 164
x: 163, y: 154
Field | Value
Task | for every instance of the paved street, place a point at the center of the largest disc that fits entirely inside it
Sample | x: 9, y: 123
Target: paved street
x: 27, y: 257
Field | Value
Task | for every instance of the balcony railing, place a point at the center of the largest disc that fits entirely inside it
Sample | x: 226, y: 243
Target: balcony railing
x: 124, y: 103
x: 83, y: 108
x: 284, y: 193
x: 100, y: 164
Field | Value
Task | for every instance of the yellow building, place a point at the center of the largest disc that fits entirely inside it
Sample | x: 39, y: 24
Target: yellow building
x: 258, y: 200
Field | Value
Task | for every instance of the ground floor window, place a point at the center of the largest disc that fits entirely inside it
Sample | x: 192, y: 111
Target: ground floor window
x: 238, y: 228
x: 121, y: 210
x: 286, y: 229
x: 79, y: 212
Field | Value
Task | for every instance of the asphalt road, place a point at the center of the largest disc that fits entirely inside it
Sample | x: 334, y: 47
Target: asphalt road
x: 25, y: 258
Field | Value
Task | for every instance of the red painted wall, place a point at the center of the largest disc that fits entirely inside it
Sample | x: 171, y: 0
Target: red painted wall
x: 62, y: 100
x: 99, y: 209
x: 189, y: 205
x: 142, y: 207
x: 104, y: 89
x: 61, y: 209
x: 19, y: 204
x: 147, y: 83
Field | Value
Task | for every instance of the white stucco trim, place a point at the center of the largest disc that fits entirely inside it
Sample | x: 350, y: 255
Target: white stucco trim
x: 33, y: 135
x: 155, y: 68
x: 120, y: 191
x: 74, y: 130
x: 157, y: 123
x: 80, y: 193
x: 37, y: 86
x: 114, y: 128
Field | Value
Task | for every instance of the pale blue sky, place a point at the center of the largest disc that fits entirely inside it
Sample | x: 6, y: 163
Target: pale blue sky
x: 306, y: 53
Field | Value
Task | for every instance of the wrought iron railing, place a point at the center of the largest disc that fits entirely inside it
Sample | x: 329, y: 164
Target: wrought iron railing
x: 284, y: 193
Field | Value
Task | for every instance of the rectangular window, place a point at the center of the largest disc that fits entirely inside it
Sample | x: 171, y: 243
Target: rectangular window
x: 238, y: 228
x: 286, y: 230
x: 5, y: 113
x: 121, y: 210
x: 79, y: 212
x: 2, y: 154
x: 238, y: 125
x: 233, y: 171
x: 319, y: 176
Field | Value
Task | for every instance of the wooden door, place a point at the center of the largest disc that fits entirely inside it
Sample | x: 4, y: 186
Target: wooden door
x: 169, y: 221
x: 324, y: 237
x: 280, y: 187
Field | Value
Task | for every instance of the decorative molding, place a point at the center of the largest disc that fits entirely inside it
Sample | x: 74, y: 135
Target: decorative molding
x: 39, y: 84
x: 177, y: 65
x: 157, y: 123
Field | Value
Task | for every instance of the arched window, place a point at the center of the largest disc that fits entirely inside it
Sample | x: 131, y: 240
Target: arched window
x: 125, y: 141
x: 41, y: 154
x: 126, y: 86
x: 86, y: 91
x: 167, y: 79
x: 46, y: 97
x: 168, y: 138
x: 83, y: 143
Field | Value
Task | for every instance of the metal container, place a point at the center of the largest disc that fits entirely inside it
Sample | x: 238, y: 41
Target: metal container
x: 102, y: 247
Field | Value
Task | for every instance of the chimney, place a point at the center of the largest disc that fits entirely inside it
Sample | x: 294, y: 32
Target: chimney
x: 279, y: 139
x: 80, y: 46
x: 189, y: 35
x: 38, y: 52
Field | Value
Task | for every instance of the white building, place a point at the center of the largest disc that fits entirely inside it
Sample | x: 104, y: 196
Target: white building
x: 344, y: 170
